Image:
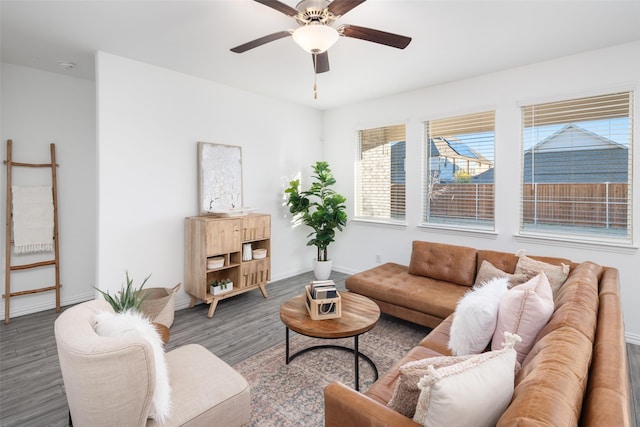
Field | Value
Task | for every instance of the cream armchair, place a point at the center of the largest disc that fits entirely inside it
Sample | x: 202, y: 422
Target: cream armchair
x: 110, y: 381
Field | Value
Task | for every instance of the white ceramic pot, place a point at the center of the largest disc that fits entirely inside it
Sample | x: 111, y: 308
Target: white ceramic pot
x: 322, y: 269
x: 218, y: 290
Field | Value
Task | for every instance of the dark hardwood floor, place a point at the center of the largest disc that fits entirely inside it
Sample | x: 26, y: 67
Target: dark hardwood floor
x: 31, y: 388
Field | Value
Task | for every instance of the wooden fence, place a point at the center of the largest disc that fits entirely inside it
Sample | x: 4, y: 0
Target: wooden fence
x: 601, y: 205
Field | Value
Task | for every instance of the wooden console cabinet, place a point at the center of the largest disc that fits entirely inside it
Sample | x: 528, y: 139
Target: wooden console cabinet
x: 209, y: 237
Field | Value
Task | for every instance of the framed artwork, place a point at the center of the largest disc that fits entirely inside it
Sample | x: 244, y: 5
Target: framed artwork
x: 220, y: 177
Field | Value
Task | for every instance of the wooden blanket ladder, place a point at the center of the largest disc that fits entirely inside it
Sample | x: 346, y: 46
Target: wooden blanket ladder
x: 9, y: 267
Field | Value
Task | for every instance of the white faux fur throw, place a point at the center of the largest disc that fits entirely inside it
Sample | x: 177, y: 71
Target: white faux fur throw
x: 32, y: 219
x: 133, y: 322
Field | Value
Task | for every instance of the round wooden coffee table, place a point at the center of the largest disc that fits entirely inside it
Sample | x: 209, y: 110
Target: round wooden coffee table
x: 359, y: 315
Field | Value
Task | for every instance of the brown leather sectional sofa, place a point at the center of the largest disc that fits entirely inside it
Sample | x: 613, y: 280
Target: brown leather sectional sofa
x: 575, y: 374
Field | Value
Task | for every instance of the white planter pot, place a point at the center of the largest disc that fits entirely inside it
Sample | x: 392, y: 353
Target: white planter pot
x: 217, y: 290
x: 322, y: 269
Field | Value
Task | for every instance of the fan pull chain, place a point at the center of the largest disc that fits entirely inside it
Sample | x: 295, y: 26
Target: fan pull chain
x: 315, y: 74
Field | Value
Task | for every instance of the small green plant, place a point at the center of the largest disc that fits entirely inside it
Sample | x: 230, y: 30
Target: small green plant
x: 221, y: 283
x: 128, y: 297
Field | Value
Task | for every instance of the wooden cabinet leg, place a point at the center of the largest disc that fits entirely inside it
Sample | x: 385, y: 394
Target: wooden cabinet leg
x: 192, y: 302
x: 212, y: 307
x: 263, y: 289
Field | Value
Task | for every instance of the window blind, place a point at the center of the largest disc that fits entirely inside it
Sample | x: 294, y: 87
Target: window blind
x: 458, y: 177
x: 577, y: 166
x: 380, y: 188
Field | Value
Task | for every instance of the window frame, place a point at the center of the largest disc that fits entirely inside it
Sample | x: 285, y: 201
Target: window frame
x: 569, y: 234
x: 480, y: 120
x: 358, y: 182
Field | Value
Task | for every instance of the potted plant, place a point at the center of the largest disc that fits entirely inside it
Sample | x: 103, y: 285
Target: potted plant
x: 221, y: 286
x: 320, y: 208
x: 127, y: 298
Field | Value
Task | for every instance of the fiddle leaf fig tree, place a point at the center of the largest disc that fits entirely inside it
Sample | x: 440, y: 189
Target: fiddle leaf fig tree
x: 319, y: 207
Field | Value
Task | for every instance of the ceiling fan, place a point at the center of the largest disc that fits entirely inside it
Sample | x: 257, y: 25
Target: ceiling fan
x: 315, y: 32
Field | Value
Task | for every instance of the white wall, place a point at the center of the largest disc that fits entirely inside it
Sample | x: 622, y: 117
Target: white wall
x: 601, y: 71
x: 149, y: 122
x: 39, y: 108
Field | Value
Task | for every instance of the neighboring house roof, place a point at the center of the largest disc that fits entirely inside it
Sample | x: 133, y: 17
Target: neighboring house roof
x: 562, y: 140
x: 597, y: 159
x: 486, y: 177
x: 453, y: 148
x: 448, y: 149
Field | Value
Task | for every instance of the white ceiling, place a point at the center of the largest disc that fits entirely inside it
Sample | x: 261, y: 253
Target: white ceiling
x: 452, y: 40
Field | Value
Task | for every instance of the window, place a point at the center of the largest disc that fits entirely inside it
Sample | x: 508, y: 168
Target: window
x: 380, y: 181
x: 577, y: 166
x: 458, y: 178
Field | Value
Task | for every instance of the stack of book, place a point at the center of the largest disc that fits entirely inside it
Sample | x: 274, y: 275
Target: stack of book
x: 323, y: 289
x: 323, y: 300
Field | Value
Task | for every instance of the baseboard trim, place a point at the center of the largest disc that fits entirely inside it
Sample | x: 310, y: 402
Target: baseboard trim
x: 632, y: 338
x: 23, y: 311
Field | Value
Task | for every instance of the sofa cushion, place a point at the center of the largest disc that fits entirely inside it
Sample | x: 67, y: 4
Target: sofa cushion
x: 475, y: 391
x: 451, y: 263
x: 476, y: 316
x: 525, y: 310
x: 208, y: 392
x: 393, y: 284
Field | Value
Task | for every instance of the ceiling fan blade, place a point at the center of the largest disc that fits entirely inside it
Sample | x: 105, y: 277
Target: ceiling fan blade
x: 375, y: 36
x: 279, y: 6
x: 260, y: 41
x: 340, y: 7
x: 323, y: 62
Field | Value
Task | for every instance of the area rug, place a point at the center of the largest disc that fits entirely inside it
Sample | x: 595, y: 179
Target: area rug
x: 292, y: 395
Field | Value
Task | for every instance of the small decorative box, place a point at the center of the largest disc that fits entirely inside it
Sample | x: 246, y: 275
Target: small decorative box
x: 259, y: 253
x: 215, y: 262
x: 321, y: 309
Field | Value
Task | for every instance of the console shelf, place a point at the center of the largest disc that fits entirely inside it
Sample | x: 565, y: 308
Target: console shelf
x: 207, y: 237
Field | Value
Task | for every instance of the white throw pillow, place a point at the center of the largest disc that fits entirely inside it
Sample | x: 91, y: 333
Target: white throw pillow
x: 474, y: 392
x: 135, y: 323
x: 474, y: 321
x: 524, y: 310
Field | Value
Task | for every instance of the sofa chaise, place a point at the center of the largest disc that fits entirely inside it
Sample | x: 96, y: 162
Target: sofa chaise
x: 576, y: 372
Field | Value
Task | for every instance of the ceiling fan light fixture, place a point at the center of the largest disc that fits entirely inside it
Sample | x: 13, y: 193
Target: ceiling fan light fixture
x: 315, y: 38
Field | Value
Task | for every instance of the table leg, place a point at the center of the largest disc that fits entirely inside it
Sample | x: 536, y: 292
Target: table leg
x: 286, y: 356
x: 355, y: 350
x: 357, y: 367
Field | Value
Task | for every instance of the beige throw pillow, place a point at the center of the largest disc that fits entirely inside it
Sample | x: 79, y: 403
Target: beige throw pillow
x: 557, y: 274
x: 489, y: 271
x: 474, y: 392
x: 405, y: 395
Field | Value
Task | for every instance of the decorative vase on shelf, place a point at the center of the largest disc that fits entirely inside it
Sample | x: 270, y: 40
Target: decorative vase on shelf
x: 247, y: 252
x: 322, y: 269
